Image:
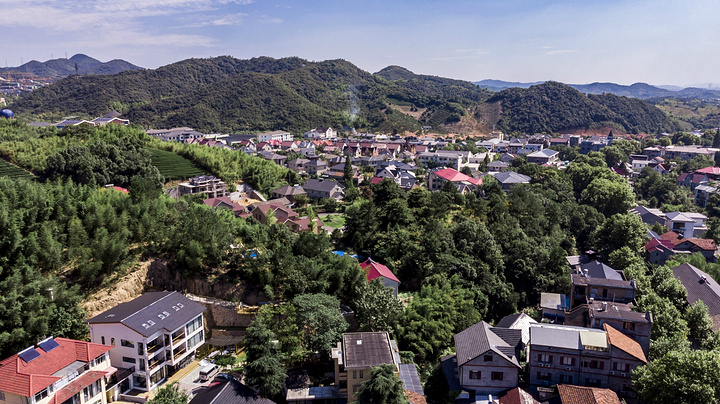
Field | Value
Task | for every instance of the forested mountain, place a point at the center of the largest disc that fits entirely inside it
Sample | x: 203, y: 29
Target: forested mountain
x: 552, y: 107
x: 225, y: 94
x: 62, y: 67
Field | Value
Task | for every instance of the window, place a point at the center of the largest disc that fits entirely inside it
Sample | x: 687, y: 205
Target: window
x: 142, y: 364
x: 355, y: 389
x: 566, y: 379
x: 475, y: 375
x: 594, y: 364
x: 141, y: 351
x: 194, y: 324
x: 127, y: 343
x: 102, y: 340
x: 544, y: 376
x: 100, y: 359
x: 158, y: 376
x: 91, y: 390
x: 496, y: 376
x: 41, y: 395
x: 622, y: 367
x: 2, y: 396
x: 195, y: 340
x: 112, y: 341
x: 545, y: 358
x: 361, y: 374
x: 488, y: 358
x: 567, y: 361
x: 354, y: 374
x: 129, y: 360
x: 628, y: 326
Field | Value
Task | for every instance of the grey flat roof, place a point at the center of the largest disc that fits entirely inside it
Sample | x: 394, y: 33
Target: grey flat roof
x: 367, y: 349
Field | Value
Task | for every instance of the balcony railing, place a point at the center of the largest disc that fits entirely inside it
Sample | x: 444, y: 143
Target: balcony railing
x: 179, y: 352
x: 178, y: 338
x: 155, y: 362
x: 154, y: 348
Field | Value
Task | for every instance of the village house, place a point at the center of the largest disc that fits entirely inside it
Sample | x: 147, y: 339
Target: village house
x: 225, y: 202
x: 375, y: 270
x: 318, y: 189
x: 509, y: 179
x: 438, y: 177
x: 600, y: 282
x: 288, y: 191
x: 358, y: 352
x: 546, y: 156
x: 486, y: 361
x: 60, y: 370
x: 560, y: 354
x: 700, y: 287
x: 154, y: 335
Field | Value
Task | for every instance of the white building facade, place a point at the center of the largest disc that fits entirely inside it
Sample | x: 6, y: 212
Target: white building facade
x: 153, y: 335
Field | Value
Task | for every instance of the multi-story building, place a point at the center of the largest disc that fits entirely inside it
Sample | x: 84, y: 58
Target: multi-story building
x: 598, y: 281
x: 278, y: 135
x: 57, y: 370
x: 154, y: 335
x: 559, y: 354
x: 356, y: 354
x: 207, y: 184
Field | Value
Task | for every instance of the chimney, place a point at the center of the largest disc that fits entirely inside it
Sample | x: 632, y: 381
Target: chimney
x: 703, y: 279
x: 604, y: 306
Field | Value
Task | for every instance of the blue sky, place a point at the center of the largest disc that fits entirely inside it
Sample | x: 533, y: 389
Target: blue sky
x: 573, y: 41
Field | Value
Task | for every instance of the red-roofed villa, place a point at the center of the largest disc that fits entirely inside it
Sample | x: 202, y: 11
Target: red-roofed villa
x: 58, y: 370
x: 438, y: 178
x: 374, y: 270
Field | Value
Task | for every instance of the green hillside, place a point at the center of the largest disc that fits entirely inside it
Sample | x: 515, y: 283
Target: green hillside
x: 225, y: 94
x: 552, y: 107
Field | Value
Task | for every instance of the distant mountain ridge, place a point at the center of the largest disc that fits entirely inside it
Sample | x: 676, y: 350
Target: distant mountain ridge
x: 637, y: 90
x: 59, y: 68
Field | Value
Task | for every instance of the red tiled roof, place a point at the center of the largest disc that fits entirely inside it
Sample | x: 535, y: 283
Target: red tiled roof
x: 414, y: 398
x: 707, y: 244
x: 456, y: 176
x: 376, y: 180
x: 570, y: 394
x: 709, y: 170
x: 517, y: 396
x: 121, y: 189
x: 376, y: 270
x: 672, y: 237
x: 77, y: 385
x: 625, y: 343
x: 28, y: 378
x: 653, y: 244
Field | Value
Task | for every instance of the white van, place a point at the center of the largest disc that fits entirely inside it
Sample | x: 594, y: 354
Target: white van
x: 209, y: 372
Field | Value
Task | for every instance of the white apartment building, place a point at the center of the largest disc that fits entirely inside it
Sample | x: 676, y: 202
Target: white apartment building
x: 153, y: 336
x: 278, y: 135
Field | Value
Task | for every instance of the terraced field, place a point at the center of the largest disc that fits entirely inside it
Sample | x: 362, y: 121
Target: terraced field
x: 172, y: 166
x: 13, y: 171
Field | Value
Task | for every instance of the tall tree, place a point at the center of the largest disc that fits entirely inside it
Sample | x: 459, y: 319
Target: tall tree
x: 383, y: 387
x: 377, y: 309
x: 321, y: 322
x: 170, y: 394
x: 264, y: 368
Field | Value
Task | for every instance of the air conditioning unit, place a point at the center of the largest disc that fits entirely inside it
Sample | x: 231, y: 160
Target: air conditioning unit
x: 612, y: 373
x: 623, y: 374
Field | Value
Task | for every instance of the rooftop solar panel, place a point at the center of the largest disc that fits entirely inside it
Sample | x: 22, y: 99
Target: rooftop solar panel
x: 29, y: 355
x: 48, y: 345
x: 409, y: 377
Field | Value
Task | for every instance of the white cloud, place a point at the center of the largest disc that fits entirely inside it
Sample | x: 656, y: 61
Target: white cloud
x: 559, y: 52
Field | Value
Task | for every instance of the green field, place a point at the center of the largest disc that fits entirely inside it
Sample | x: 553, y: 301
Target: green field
x: 172, y: 166
x: 335, y: 221
x: 13, y: 171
